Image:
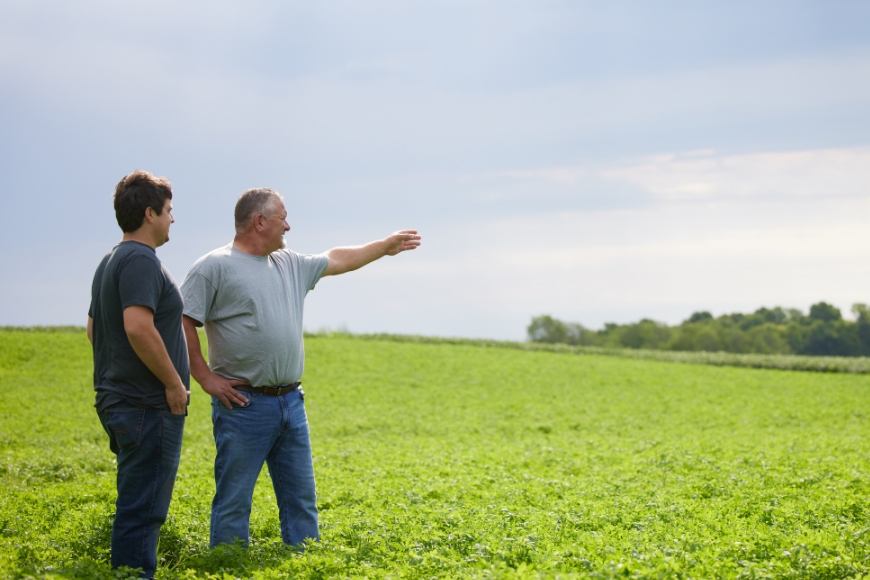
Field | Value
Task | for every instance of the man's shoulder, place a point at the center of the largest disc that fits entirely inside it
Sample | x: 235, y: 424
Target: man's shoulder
x: 214, y: 258
x: 209, y: 269
x: 285, y: 255
x: 288, y: 255
x: 127, y: 253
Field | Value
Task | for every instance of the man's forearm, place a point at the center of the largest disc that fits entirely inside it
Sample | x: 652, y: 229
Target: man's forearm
x: 198, y: 367
x: 149, y: 347
x: 348, y: 259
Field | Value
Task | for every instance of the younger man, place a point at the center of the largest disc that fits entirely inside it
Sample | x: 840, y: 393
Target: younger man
x: 141, y: 368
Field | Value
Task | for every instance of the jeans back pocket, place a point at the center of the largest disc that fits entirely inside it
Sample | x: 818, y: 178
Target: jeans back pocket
x: 124, y: 427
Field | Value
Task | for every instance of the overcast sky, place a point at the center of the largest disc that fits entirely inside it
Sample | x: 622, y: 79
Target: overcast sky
x: 596, y: 161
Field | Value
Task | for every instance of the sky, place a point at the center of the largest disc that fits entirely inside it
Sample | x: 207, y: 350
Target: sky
x: 594, y: 161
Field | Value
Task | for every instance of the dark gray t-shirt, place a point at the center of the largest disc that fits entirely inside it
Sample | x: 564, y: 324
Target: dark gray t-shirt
x: 132, y: 275
x: 251, y: 307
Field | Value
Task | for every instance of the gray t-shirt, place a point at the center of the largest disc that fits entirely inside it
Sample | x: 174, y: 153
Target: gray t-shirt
x: 251, y: 307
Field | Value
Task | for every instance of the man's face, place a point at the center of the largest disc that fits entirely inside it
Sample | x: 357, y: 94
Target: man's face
x: 275, y: 226
x: 162, y: 223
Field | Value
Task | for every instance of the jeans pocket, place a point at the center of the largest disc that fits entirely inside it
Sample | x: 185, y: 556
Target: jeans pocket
x: 125, y: 426
x: 171, y: 427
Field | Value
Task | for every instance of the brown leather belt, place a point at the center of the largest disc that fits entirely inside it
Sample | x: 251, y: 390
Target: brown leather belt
x: 270, y: 391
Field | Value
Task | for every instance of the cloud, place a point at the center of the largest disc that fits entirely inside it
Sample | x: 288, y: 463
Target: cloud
x: 790, y: 174
x: 706, y: 175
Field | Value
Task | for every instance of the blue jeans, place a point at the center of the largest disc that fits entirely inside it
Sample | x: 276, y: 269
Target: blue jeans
x: 273, y: 430
x: 148, y: 445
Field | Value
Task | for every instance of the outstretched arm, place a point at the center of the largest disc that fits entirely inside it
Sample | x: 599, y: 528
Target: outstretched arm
x: 348, y: 259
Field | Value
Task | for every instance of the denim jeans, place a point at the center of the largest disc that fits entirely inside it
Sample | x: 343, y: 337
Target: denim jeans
x: 148, y: 445
x: 273, y: 430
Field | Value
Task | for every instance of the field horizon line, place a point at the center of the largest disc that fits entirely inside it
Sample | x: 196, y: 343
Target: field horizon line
x: 791, y: 362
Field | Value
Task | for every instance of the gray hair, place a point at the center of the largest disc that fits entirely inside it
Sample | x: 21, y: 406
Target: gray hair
x: 260, y: 200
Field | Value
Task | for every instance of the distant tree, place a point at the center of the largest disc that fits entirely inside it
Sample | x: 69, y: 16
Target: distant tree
x: 578, y: 334
x: 767, y: 330
x: 768, y: 338
x: 775, y: 315
x: 751, y: 321
x: 825, y: 312
x: 645, y: 334
x: 832, y: 338
x: 547, y: 329
x: 696, y: 337
x: 699, y: 317
x: 862, y: 322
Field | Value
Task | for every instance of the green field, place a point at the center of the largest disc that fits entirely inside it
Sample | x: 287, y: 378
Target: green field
x: 452, y: 460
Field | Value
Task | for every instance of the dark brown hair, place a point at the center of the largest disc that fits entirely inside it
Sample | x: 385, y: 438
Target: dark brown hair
x: 137, y: 192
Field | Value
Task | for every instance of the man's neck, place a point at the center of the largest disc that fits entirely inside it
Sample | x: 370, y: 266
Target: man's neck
x: 141, y: 236
x: 250, y: 245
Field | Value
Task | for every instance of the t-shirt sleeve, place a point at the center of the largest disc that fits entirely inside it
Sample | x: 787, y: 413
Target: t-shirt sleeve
x: 140, y: 282
x: 95, y: 287
x: 198, y: 294
x: 313, y: 267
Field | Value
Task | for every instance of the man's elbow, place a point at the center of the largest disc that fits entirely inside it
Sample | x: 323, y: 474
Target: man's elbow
x: 136, y: 331
x: 334, y: 267
x: 138, y: 324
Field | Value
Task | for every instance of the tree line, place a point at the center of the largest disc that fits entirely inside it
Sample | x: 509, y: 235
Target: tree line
x: 823, y: 331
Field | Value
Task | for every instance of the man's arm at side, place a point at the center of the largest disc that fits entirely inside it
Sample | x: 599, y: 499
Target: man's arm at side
x: 149, y: 347
x: 348, y: 259
x: 214, y: 385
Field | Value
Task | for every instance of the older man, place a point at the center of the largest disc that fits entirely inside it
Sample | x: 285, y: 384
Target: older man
x: 250, y: 296
x: 141, y: 369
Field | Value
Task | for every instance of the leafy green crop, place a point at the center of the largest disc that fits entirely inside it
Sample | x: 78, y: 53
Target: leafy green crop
x: 832, y: 364
x: 456, y: 460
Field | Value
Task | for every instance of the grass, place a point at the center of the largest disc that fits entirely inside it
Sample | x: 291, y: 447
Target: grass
x: 831, y: 364
x: 455, y: 460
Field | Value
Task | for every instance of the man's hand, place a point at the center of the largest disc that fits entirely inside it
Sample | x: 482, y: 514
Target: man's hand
x: 177, y: 399
x: 401, y: 241
x: 217, y: 386
x: 345, y: 259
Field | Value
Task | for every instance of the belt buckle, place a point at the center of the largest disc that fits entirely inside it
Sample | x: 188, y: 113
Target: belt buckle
x: 272, y: 391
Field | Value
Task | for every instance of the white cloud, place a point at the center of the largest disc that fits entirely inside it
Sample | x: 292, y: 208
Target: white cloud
x: 705, y: 175
x: 816, y: 173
